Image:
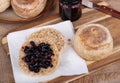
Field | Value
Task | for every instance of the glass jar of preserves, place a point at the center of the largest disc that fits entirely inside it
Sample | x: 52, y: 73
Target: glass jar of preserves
x: 70, y: 9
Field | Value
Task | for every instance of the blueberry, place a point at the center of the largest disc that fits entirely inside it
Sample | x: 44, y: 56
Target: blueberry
x: 42, y: 53
x: 36, y: 69
x: 42, y: 44
x: 36, y: 64
x: 32, y: 62
x: 43, y: 49
x: 26, y: 47
x: 47, y: 63
x: 26, y: 50
x: 37, y: 55
x: 51, y: 65
x: 49, y: 60
x: 31, y: 68
x: 40, y: 64
x: 27, y: 59
x: 32, y: 43
x: 36, y: 59
x: 44, y: 65
x: 48, y: 45
x: 33, y: 57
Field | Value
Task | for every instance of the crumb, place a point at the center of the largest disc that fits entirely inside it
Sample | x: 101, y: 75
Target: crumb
x: 69, y: 40
x: 23, y: 47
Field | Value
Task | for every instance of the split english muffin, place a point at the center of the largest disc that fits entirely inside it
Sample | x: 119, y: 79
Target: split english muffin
x: 40, y: 54
x: 39, y: 57
x: 28, y: 8
x: 51, y: 34
x: 93, y: 42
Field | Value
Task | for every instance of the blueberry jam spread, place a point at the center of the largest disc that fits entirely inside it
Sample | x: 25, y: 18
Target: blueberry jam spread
x: 38, y: 57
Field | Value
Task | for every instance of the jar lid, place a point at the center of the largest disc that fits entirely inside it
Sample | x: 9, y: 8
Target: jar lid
x: 70, y: 2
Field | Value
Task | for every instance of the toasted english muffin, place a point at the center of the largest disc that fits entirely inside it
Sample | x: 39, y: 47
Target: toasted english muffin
x: 28, y: 8
x: 93, y: 42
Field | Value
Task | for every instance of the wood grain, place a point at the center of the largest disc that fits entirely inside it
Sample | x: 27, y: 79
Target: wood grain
x: 106, y: 74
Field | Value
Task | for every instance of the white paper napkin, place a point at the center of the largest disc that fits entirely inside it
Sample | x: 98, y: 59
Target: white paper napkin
x: 70, y: 63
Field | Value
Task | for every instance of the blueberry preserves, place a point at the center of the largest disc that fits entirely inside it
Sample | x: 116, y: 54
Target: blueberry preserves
x: 70, y: 9
x: 38, y: 57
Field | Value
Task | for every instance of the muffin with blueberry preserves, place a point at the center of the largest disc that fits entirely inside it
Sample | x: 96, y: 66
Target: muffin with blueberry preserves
x: 38, y: 57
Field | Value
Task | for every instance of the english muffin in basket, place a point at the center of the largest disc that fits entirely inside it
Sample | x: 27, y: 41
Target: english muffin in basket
x: 28, y: 8
x: 4, y: 4
x: 39, y: 57
x: 93, y: 42
x: 51, y: 34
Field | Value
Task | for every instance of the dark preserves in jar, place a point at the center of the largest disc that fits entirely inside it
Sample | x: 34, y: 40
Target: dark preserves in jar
x: 70, y: 9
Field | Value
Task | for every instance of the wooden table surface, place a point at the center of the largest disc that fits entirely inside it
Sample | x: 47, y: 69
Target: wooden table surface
x: 107, y: 74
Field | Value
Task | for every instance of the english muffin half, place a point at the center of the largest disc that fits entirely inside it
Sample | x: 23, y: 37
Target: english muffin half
x: 39, y: 57
x: 93, y: 42
x: 51, y: 34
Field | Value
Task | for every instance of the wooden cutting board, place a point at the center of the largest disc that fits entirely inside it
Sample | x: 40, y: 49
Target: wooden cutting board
x: 89, y: 16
